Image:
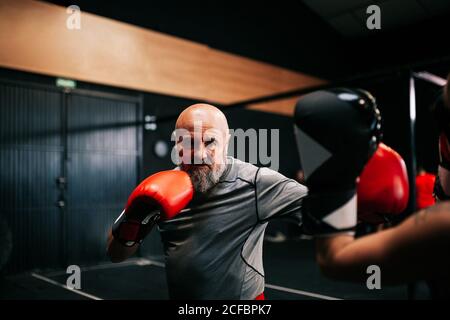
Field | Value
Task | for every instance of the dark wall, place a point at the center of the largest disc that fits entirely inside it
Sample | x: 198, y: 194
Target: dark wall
x: 166, y: 110
x: 68, y: 162
x: 289, y: 161
x: 30, y: 161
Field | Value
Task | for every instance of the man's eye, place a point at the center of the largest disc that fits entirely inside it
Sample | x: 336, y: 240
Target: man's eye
x: 185, y: 141
x: 210, y: 142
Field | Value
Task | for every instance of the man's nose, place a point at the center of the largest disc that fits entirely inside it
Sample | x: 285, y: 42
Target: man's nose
x: 201, y: 155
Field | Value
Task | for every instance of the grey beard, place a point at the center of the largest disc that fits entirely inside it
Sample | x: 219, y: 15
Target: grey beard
x: 205, y: 180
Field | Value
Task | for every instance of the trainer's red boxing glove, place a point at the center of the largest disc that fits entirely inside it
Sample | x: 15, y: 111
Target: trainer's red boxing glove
x: 383, y: 187
x: 160, y: 196
x: 424, y: 190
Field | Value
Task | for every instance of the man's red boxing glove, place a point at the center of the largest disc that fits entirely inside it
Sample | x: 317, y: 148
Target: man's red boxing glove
x: 160, y: 196
x: 383, y: 187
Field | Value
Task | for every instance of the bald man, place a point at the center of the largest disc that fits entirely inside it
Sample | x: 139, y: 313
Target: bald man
x: 213, y: 248
x: 205, y: 128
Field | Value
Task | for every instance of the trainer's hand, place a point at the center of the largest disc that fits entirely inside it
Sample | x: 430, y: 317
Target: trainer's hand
x: 337, y: 132
x: 160, y: 196
x: 383, y: 187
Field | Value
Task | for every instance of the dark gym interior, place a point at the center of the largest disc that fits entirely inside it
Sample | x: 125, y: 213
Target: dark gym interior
x: 76, y: 139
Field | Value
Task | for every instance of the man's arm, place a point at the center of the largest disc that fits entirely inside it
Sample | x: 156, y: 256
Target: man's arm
x: 416, y: 249
x: 118, y: 252
x: 278, y: 196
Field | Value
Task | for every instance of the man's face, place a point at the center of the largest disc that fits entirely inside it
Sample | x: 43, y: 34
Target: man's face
x: 202, y: 149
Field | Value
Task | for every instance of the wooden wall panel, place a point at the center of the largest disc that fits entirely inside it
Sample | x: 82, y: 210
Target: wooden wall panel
x: 34, y: 37
x: 284, y: 106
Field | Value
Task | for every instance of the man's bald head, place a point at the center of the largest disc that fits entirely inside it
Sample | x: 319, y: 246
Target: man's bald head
x: 206, y: 114
x: 202, y: 136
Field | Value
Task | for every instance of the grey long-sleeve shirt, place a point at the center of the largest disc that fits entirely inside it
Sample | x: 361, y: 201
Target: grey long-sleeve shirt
x: 213, y: 248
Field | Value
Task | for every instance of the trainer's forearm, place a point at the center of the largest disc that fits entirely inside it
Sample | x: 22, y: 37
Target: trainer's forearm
x: 346, y: 258
x: 400, y: 252
x: 118, y: 252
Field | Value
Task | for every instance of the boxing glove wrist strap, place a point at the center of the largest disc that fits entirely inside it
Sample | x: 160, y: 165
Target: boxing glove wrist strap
x: 130, y: 231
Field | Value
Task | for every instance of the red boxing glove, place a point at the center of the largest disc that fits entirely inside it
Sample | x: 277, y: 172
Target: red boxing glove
x: 383, y: 187
x: 424, y: 190
x: 160, y: 196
